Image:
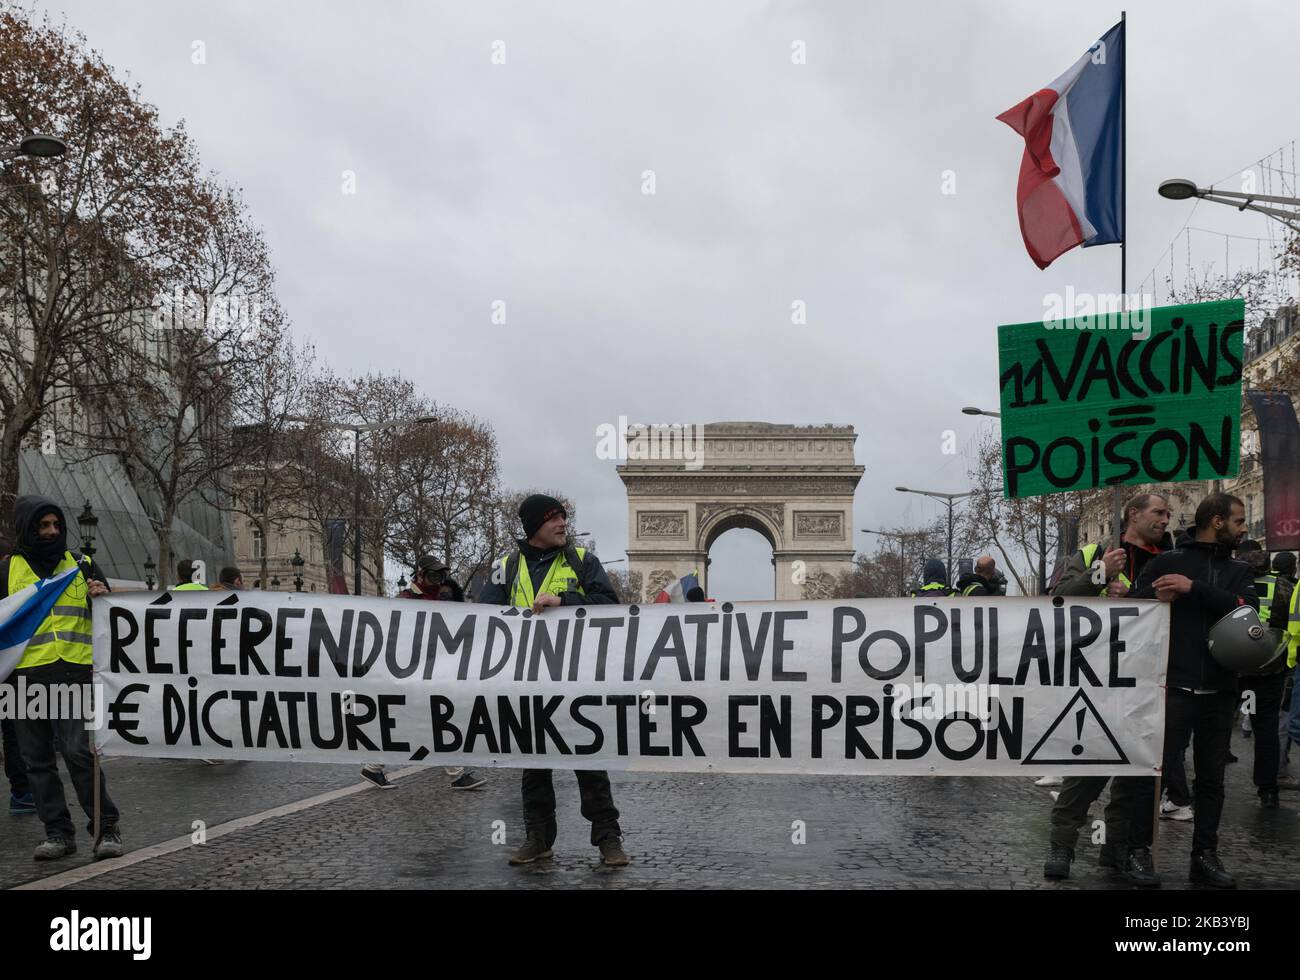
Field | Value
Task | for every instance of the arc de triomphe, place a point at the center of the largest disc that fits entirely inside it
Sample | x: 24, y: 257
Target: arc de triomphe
x: 792, y: 484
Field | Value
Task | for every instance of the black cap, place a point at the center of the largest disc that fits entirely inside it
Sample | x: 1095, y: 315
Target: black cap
x: 428, y: 566
x: 536, y: 511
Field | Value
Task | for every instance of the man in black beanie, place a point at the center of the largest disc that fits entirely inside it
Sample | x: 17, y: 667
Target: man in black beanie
x: 547, y: 571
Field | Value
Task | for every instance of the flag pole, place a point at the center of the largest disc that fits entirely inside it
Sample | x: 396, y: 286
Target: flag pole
x: 1117, y: 516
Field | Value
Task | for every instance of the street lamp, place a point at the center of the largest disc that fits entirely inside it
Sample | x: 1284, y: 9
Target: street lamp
x: 149, y: 569
x: 902, y: 553
x: 950, y: 498
x: 35, y: 145
x: 1042, y: 513
x: 87, y: 522
x: 1180, y: 189
x: 297, y: 562
x: 401, y: 584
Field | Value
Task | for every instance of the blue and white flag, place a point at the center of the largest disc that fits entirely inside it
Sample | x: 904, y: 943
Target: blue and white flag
x: 22, y: 613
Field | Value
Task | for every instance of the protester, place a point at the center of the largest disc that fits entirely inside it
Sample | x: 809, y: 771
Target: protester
x: 59, y: 653
x: 934, y: 581
x: 1128, y: 833
x: 1204, y: 583
x: 1284, y: 567
x: 1266, y: 690
x: 230, y: 580
x: 982, y: 582
x: 695, y: 594
x: 544, y: 572
x: 186, y: 571
x: 429, y: 581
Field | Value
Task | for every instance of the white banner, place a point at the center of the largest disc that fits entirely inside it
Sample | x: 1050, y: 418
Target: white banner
x: 879, y: 686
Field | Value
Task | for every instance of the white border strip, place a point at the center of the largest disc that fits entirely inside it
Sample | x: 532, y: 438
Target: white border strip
x: 77, y: 875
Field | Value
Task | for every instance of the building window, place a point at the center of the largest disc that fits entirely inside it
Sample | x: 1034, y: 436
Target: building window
x: 257, y: 544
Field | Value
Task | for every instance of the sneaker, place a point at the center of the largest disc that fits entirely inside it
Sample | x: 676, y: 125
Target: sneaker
x: 54, y: 848
x: 1139, y: 868
x: 378, y: 777
x: 1171, y: 811
x: 468, y: 780
x: 1287, y: 781
x: 612, y: 853
x: 109, y: 844
x: 534, y: 849
x: 19, y: 805
x: 1058, y: 861
x: 1049, y: 781
x: 215, y: 762
x: 1207, y: 869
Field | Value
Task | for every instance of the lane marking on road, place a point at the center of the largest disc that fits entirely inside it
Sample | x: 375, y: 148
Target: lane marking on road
x: 75, y: 876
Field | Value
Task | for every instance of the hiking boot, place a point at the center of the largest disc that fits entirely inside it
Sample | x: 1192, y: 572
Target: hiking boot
x: 612, y: 853
x: 1058, y: 861
x: 1268, y: 799
x: 468, y: 780
x: 1049, y: 780
x: 54, y: 848
x: 109, y: 844
x: 19, y: 805
x: 1207, y: 869
x: 377, y: 777
x: 534, y: 849
x: 1139, y: 868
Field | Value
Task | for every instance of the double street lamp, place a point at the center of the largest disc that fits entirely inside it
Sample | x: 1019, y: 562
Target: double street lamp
x: 950, y: 499
x: 297, y: 562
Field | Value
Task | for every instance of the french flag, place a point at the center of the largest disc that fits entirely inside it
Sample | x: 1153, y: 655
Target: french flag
x: 22, y: 613
x: 676, y: 592
x: 1071, y: 189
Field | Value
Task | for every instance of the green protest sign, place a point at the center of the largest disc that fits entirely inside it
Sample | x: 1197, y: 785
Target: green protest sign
x: 1151, y: 396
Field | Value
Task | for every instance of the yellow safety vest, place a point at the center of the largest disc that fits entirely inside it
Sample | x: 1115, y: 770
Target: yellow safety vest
x: 559, y: 578
x: 65, y: 632
x: 189, y: 587
x: 1293, y: 627
x: 1264, y: 589
x: 932, y: 587
x: 1089, y: 552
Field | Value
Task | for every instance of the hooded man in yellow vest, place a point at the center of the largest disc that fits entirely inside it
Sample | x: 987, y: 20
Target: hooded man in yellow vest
x: 547, y: 572
x: 58, y: 654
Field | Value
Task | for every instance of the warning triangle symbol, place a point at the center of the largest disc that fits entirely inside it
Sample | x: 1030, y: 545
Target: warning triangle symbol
x: 1078, y: 737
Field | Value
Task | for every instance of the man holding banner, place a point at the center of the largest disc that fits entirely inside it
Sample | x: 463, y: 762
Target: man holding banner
x: 543, y: 573
x: 58, y: 653
x: 1204, y: 583
x: 1111, y: 574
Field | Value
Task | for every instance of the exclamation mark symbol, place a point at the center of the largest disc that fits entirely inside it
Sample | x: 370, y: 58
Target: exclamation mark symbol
x: 1079, y: 716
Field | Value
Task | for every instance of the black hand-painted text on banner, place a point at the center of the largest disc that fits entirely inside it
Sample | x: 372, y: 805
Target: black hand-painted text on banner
x: 950, y: 686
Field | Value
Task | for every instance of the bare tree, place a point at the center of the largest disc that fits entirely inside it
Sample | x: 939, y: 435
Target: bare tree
x: 89, y: 241
x: 170, y: 409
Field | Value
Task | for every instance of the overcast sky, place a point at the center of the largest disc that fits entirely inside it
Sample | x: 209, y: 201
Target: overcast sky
x: 774, y: 182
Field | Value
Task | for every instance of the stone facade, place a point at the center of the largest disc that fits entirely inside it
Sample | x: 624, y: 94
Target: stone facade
x: 793, y: 484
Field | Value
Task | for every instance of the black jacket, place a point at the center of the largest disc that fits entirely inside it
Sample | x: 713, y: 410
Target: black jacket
x: 43, y: 559
x: 591, y: 576
x: 1219, y: 585
x: 982, y: 588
